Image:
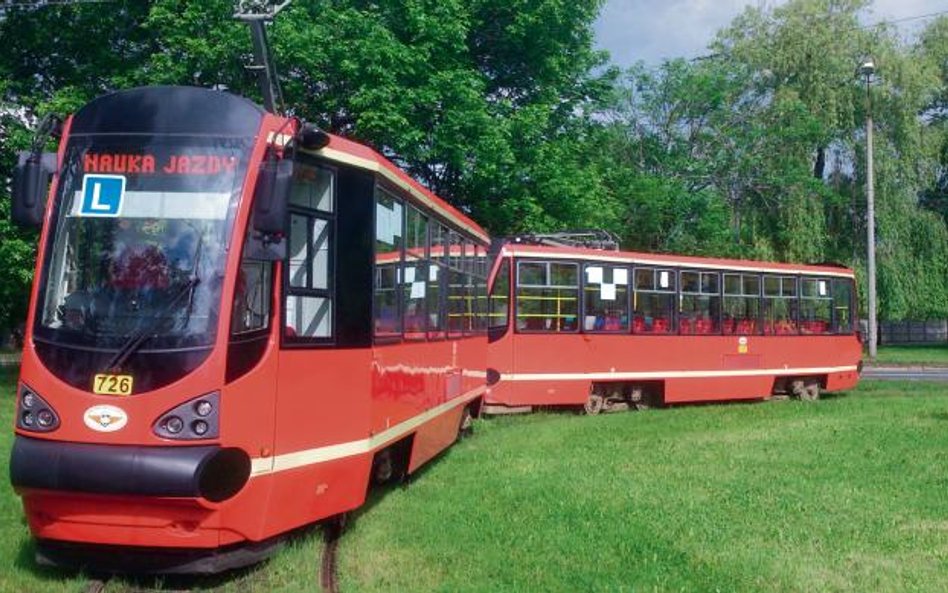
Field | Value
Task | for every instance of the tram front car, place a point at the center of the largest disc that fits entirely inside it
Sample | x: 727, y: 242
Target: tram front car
x: 138, y: 413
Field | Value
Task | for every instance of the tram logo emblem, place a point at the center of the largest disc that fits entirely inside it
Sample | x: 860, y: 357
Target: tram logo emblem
x: 102, y: 195
x: 105, y: 418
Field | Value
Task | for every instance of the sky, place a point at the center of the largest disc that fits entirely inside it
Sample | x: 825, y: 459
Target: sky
x: 653, y: 30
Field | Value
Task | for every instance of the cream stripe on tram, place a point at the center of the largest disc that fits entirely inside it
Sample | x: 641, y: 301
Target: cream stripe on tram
x: 268, y: 465
x: 672, y: 374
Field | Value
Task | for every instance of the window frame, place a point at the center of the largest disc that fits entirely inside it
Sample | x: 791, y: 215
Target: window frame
x: 331, y: 218
x: 399, y: 198
x: 517, y: 286
x: 701, y: 292
x: 583, y: 280
x: 674, y: 291
x: 742, y: 274
x: 425, y: 262
x: 766, y: 300
x: 829, y: 298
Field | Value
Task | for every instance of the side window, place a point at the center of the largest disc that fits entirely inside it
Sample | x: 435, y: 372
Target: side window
x: 308, y: 304
x: 816, y: 306
x: 437, y: 274
x: 654, y: 301
x: 500, y: 297
x: 389, y: 241
x: 252, y: 296
x: 699, y: 311
x: 468, y: 266
x: 415, y: 280
x: 741, y: 304
x: 780, y: 305
x: 480, y: 288
x: 606, y: 305
x: 457, y: 286
x: 547, y: 296
x: 843, y: 305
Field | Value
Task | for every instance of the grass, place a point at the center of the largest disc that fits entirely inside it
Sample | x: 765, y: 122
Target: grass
x: 932, y: 354
x: 844, y: 495
x: 847, y: 494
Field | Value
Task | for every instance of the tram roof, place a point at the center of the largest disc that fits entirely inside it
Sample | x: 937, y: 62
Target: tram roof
x: 671, y: 260
x: 342, y: 150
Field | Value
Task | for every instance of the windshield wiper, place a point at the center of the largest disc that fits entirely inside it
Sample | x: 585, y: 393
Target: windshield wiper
x: 198, y: 252
x: 135, y: 341
x: 141, y: 336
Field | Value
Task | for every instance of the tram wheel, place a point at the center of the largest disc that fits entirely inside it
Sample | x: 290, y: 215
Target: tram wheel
x: 811, y: 391
x: 466, y: 425
x: 638, y: 399
x: 594, y: 404
x: 383, y: 467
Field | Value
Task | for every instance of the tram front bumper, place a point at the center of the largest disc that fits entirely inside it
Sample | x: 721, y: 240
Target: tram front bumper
x: 209, y: 471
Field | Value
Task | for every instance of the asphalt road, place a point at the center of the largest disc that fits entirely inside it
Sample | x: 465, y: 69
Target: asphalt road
x: 906, y: 373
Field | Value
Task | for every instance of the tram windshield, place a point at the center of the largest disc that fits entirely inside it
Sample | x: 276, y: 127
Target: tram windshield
x: 140, y: 241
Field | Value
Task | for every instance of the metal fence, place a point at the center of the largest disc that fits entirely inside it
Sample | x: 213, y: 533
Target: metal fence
x: 914, y: 332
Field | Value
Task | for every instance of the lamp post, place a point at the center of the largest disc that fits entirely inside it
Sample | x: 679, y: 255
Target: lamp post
x: 866, y: 71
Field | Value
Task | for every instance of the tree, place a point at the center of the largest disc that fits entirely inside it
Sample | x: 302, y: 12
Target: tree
x: 467, y: 96
x: 771, y: 125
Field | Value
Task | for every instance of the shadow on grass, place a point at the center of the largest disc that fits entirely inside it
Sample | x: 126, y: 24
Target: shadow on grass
x: 832, y: 395
x: 245, y: 577
x: 26, y: 561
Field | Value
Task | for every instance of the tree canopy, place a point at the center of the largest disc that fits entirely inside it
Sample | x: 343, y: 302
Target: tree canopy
x: 506, y: 109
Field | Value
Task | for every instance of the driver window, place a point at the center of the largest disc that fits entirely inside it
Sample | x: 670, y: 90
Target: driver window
x: 252, y: 297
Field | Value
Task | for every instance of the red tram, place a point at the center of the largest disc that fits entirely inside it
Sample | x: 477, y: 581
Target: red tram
x: 237, y: 323
x: 613, y: 330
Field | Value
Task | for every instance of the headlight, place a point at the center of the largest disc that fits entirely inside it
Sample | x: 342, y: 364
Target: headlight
x: 33, y: 413
x: 197, y: 418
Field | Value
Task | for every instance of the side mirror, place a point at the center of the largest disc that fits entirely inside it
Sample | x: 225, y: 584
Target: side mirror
x: 31, y: 179
x: 271, y: 197
x: 310, y: 137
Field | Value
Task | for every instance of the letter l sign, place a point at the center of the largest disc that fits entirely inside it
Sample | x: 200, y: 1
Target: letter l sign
x: 102, y: 195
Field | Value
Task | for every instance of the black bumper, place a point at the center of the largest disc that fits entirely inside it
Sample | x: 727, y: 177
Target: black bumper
x: 209, y: 471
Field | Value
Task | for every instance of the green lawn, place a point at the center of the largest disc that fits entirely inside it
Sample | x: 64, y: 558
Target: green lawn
x: 847, y: 494
x: 934, y: 355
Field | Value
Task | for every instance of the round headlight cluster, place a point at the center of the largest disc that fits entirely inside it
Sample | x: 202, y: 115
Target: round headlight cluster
x: 194, y: 419
x: 33, y: 413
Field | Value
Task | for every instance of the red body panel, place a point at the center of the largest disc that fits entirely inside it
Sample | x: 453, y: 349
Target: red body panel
x: 540, y: 369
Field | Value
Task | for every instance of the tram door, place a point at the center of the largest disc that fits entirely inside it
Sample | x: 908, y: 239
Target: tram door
x: 500, y: 332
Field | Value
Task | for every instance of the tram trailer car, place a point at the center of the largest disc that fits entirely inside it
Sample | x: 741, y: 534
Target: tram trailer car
x: 237, y: 323
x: 615, y: 330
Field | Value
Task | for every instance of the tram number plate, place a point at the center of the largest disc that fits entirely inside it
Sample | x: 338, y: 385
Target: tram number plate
x: 104, y: 384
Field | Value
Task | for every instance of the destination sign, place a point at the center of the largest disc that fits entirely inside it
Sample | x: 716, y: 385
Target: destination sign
x: 148, y: 164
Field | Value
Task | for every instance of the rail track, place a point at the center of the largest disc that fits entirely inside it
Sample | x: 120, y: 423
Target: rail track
x: 327, y: 566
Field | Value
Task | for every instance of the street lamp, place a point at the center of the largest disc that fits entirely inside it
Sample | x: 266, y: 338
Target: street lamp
x: 866, y: 70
